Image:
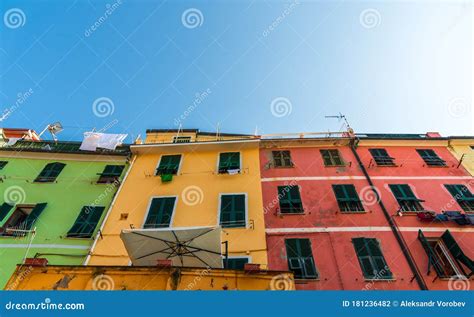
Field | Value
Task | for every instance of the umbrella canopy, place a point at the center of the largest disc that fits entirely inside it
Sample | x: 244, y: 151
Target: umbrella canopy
x: 190, y: 247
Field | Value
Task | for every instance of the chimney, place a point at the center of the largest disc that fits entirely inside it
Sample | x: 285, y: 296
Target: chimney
x: 433, y: 135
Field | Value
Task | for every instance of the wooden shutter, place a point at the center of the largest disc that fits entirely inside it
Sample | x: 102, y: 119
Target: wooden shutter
x: 50, y: 172
x: 160, y: 212
x: 229, y: 161
x: 345, y: 193
x: 456, y: 250
x: 169, y: 164
x: 33, y: 216
x: 86, y: 222
x: 432, y: 257
x: 232, y: 212
x: 363, y: 256
x: 4, y: 210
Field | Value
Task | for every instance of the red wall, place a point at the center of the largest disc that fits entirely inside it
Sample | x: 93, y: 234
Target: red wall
x: 333, y: 252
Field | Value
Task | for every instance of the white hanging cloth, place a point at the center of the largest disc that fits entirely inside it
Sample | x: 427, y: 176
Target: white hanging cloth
x: 93, y: 140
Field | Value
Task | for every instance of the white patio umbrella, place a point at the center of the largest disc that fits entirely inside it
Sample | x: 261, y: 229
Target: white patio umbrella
x: 188, y: 247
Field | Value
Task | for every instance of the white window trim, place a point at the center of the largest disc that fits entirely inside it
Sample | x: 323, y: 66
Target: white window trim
x: 219, y: 160
x: 246, y: 210
x: 172, y: 213
x: 179, y: 166
x: 447, y: 254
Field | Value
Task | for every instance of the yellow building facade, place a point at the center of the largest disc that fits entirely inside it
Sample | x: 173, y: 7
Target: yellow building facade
x: 198, y: 193
x: 462, y: 149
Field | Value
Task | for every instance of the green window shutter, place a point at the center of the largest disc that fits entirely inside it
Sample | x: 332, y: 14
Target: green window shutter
x: 33, y: 216
x: 50, y: 172
x: 232, y: 213
x: 371, y: 259
x: 110, y: 173
x: 235, y: 263
x: 345, y: 193
x: 290, y: 199
x: 300, y: 258
x: 169, y: 164
x: 282, y: 159
x: 331, y: 158
x: 460, y: 192
x: 432, y: 257
x: 430, y: 157
x: 5, y: 210
x: 86, y: 222
x: 403, y: 192
x: 456, y: 250
x: 381, y: 157
x: 160, y: 212
x: 3, y: 164
x: 229, y: 161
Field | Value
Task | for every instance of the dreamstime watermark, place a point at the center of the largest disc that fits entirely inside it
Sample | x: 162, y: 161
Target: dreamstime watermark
x: 197, y: 279
x: 370, y: 195
x: 22, y: 97
x: 378, y: 275
x: 103, y: 282
x: 458, y: 108
x: 14, y: 18
x: 103, y: 107
x: 14, y: 195
x: 276, y: 201
x: 192, y: 18
x: 19, y: 278
x: 281, y: 282
x: 275, y: 23
x: 109, y: 10
x: 370, y: 18
x: 281, y: 107
x: 198, y: 100
x: 459, y: 283
x: 192, y: 195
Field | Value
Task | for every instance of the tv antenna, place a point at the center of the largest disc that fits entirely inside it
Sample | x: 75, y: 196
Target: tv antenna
x: 341, y: 117
x: 54, y: 129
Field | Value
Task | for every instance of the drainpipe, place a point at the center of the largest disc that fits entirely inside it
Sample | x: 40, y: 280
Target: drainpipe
x: 393, y: 225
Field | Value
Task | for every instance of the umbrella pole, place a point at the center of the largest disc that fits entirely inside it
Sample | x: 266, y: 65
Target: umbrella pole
x: 226, y: 243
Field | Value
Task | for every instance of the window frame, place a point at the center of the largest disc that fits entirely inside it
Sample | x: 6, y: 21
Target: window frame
x: 173, y: 212
x: 384, y: 160
x: 22, y: 229
x: 219, y: 162
x: 92, y: 234
x: 248, y: 258
x: 104, y: 179
x: 291, y: 164
x: 371, y: 259
x: 414, y: 201
x: 3, y: 164
x: 177, y: 137
x: 331, y: 157
x: 346, y: 202
x: 430, y: 160
x: 178, y: 171
x: 246, y: 226
x: 467, y: 205
x: 301, y: 261
x: 44, y: 179
x: 296, y: 212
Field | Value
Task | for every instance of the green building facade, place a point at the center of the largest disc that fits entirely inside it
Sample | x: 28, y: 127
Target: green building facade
x: 53, y: 199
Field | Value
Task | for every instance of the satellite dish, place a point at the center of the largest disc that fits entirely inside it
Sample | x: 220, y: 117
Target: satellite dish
x: 54, y: 129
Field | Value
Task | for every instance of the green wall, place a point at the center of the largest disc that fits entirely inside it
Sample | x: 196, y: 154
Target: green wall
x: 74, y: 188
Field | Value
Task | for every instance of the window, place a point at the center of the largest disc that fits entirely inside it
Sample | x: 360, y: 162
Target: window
x: 381, y: 157
x: 2, y: 164
x: 462, y: 195
x: 229, y: 162
x: 235, y: 263
x: 282, y: 159
x: 181, y: 139
x: 5, y: 210
x: 22, y: 219
x: 290, y: 199
x: 371, y: 260
x: 232, y: 211
x: 86, y: 222
x: 160, y: 212
x: 169, y: 164
x: 406, y: 198
x: 445, y: 256
x: 431, y: 158
x: 332, y: 158
x: 50, y: 172
x: 347, y: 198
x: 110, y: 174
x: 300, y: 258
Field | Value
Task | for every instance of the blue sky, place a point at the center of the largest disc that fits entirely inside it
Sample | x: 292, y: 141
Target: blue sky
x: 125, y: 66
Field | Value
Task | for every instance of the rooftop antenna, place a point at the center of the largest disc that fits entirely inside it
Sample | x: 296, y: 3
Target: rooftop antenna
x: 341, y: 117
x: 54, y: 129
x: 180, y: 127
x: 218, y: 131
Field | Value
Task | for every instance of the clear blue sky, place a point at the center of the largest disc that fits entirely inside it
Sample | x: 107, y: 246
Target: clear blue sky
x: 388, y: 66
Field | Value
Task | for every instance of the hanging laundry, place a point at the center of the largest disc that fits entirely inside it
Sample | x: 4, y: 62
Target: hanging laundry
x: 233, y: 171
x: 12, y: 141
x: 93, y: 140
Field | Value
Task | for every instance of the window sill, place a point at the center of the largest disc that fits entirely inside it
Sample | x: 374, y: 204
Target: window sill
x: 380, y: 279
x: 436, y: 166
x: 352, y: 212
